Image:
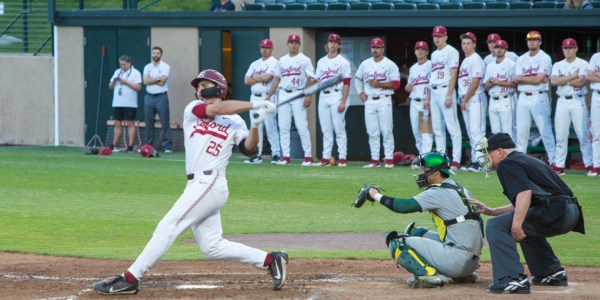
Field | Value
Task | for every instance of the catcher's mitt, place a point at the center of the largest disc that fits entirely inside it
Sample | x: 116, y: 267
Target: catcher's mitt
x: 363, y: 195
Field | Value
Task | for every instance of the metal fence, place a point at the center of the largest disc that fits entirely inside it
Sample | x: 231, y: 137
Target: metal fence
x: 24, y: 28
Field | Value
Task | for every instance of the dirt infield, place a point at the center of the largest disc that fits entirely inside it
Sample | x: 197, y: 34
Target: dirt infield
x: 25, y: 276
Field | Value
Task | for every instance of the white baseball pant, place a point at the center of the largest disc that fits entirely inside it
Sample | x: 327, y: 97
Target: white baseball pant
x: 271, y: 125
x: 333, y: 122
x: 501, y: 113
x: 567, y: 111
x: 445, y: 118
x: 199, y: 208
x: 534, y: 107
x: 378, y: 120
x: 423, y: 141
x: 595, y: 117
x: 474, y: 117
x: 284, y: 116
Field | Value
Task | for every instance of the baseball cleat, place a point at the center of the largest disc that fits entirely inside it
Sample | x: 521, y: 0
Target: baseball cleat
x: 472, y: 278
x: 508, y: 285
x: 323, y: 163
x: 116, y: 286
x: 558, y: 278
x: 342, y: 163
x: 424, y: 282
x: 275, y: 159
x: 278, y: 269
x: 455, y: 166
x: 285, y: 161
x: 591, y: 171
x: 372, y: 164
x: 254, y: 160
x: 475, y: 167
x: 307, y: 162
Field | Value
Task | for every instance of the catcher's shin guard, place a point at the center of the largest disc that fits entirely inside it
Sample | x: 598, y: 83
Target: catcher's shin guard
x: 410, y: 259
x: 415, y: 231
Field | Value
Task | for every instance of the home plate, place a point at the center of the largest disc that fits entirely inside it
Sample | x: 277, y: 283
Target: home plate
x: 198, y: 286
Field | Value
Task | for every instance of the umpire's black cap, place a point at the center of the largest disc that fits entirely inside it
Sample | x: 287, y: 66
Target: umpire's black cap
x: 500, y: 140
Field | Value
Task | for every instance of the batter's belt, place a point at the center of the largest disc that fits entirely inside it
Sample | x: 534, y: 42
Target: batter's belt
x: 206, y: 173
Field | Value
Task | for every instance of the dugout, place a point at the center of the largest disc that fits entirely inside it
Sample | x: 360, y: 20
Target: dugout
x: 229, y: 42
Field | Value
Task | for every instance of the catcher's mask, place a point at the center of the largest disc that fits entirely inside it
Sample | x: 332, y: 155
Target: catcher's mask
x: 485, y: 145
x: 429, y: 163
x: 484, y: 159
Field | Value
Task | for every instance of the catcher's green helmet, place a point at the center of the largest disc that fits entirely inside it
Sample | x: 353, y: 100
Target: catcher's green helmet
x: 436, y: 160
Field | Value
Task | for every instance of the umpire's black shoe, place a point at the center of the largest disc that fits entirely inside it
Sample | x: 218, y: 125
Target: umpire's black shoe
x: 115, y: 286
x: 278, y: 269
x: 558, y: 278
x: 508, y: 285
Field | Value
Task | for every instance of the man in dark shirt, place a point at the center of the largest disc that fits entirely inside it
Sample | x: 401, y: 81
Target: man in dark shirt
x: 541, y: 206
x: 224, y: 5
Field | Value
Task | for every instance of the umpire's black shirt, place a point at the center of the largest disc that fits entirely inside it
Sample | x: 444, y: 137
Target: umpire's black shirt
x: 520, y: 172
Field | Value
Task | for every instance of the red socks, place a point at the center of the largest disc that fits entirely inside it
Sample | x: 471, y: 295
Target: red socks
x: 129, y: 277
x: 269, y: 259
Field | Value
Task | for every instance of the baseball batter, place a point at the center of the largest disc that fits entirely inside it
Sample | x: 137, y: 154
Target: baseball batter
x: 333, y: 101
x: 531, y: 74
x: 568, y: 75
x: 593, y: 76
x: 453, y: 250
x: 418, y: 89
x: 492, y: 38
x: 290, y: 79
x: 259, y: 77
x: 443, y: 77
x: 211, y: 127
x: 472, y: 96
x: 377, y: 79
x: 499, y: 84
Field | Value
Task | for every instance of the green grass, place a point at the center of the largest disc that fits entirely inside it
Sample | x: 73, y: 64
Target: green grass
x: 58, y: 201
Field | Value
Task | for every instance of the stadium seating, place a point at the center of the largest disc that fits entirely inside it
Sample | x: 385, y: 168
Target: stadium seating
x: 253, y: 6
x: 316, y: 6
x: 438, y: 1
x: 274, y: 6
x: 382, y: 6
x: 327, y: 1
x: 474, y: 5
x: 497, y: 5
x: 596, y: 4
x: 338, y: 6
x: 279, y: 5
x: 428, y: 6
x: 295, y: 6
x: 264, y: 1
x: 394, y: 1
x: 521, y: 5
x: 285, y: 1
x: 360, y: 6
x: 544, y: 5
x: 405, y: 6
x: 451, y: 5
x: 415, y: 1
x: 306, y: 1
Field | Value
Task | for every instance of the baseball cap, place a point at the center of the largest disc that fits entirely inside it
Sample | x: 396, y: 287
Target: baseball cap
x: 493, y: 37
x: 501, y: 43
x: 439, y: 31
x: 334, y: 37
x: 266, y: 43
x: 500, y: 140
x: 421, y: 44
x: 469, y: 35
x: 294, y: 38
x: 377, y: 42
x: 569, y: 43
x: 534, y: 35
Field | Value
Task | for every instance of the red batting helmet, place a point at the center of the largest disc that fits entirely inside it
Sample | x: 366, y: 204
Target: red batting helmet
x: 148, y: 151
x: 214, y: 76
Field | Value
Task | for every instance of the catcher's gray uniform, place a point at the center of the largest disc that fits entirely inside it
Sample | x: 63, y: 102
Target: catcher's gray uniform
x: 457, y: 254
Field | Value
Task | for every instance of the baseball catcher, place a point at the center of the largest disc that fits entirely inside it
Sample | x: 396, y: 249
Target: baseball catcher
x: 434, y: 256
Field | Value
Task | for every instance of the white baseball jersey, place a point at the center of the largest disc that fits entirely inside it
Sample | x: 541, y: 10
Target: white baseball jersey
x: 260, y: 67
x: 124, y: 96
x: 564, y: 68
x: 504, y: 71
x: 532, y: 66
x: 209, y: 141
x: 442, y: 60
x: 154, y: 72
x: 509, y: 54
x: 418, y: 77
x: 471, y: 67
x: 594, y: 66
x: 330, y: 67
x: 291, y: 71
x: 382, y: 71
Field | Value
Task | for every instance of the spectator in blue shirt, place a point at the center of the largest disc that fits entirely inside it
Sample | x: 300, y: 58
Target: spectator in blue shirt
x: 224, y: 5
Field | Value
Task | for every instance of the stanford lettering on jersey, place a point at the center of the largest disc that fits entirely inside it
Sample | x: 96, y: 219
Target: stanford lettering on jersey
x: 261, y: 71
x: 437, y: 66
x: 324, y: 74
x: 209, y: 126
x: 463, y: 73
x: 420, y: 79
x: 531, y: 71
x: 291, y: 71
x: 377, y: 76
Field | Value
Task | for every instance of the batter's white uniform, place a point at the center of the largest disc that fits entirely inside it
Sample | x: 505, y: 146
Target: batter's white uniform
x: 378, y: 107
x: 208, y: 144
x: 594, y: 66
x: 259, y: 93
x: 474, y: 116
x: 292, y: 73
x: 533, y: 102
x: 502, y: 101
x: 418, y: 77
x: 331, y: 120
x: 491, y: 58
x: 571, y: 107
x: 444, y: 118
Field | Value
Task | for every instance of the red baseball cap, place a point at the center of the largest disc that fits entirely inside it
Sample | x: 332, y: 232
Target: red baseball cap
x: 334, y: 37
x: 421, y: 44
x: 469, y: 35
x: 294, y: 38
x: 377, y: 42
x: 501, y: 43
x: 493, y: 37
x: 439, y: 31
x: 534, y: 35
x: 266, y: 43
x: 569, y: 43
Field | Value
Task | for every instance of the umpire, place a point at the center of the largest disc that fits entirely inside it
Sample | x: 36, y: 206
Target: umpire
x: 541, y: 206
